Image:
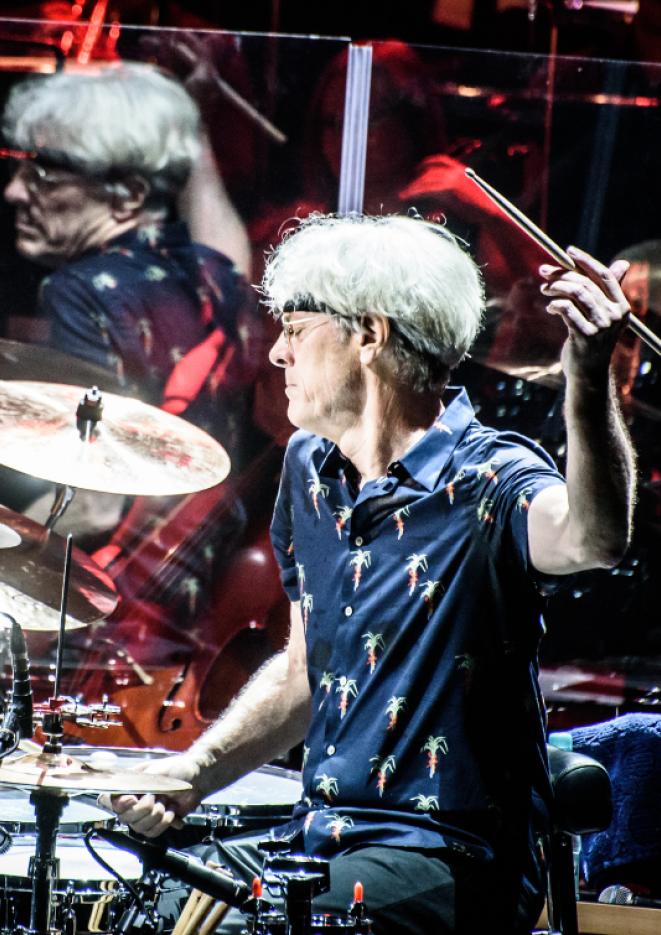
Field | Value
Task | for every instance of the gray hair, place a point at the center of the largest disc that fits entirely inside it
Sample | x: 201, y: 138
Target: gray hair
x: 411, y: 271
x: 109, y: 122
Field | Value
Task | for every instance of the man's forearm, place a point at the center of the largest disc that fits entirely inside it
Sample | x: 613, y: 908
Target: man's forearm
x: 266, y: 719
x: 600, y: 469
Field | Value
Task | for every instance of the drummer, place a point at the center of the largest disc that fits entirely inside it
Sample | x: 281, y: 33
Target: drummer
x: 415, y: 545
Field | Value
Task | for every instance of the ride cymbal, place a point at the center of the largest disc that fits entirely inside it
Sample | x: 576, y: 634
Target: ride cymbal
x: 135, y: 449
x: 31, y: 562
x: 61, y: 773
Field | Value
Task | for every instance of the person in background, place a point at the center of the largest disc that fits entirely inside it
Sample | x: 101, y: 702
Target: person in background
x: 105, y: 156
x: 108, y: 160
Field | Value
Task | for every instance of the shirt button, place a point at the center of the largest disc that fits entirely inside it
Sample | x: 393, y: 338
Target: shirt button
x: 359, y: 540
x: 330, y: 749
x: 348, y: 611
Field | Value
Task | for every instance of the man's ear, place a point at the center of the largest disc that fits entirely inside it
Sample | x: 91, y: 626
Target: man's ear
x: 373, y: 337
x: 128, y: 196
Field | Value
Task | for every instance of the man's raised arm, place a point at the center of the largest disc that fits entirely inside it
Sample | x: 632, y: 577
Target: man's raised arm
x: 587, y: 524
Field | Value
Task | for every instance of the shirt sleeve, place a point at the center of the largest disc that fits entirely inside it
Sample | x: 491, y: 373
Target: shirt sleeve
x: 79, y: 321
x: 282, y: 529
x: 520, y: 470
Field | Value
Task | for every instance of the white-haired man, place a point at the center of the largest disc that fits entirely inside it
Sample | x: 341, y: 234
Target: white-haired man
x: 413, y: 544
x: 104, y: 156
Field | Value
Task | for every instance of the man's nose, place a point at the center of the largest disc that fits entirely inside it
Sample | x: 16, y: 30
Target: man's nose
x: 16, y: 191
x: 280, y: 354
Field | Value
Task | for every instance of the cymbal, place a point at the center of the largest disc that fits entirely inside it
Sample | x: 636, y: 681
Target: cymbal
x: 31, y: 578
x: 61, y: 773
x: 136, y: 450
x: 35, y: 362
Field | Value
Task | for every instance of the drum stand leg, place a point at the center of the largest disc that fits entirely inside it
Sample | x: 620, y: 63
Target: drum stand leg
x: 43, y: 866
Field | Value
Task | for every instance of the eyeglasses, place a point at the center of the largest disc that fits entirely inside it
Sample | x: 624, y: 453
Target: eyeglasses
x: 37, y: 178
x: 291, y: 329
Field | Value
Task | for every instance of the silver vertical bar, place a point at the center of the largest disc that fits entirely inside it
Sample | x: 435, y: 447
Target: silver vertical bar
x: 354, y: 132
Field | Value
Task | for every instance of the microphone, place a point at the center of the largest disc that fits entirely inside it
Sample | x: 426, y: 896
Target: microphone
x: 18, y: 718
x: 619, y: 895
x: 187, y: 869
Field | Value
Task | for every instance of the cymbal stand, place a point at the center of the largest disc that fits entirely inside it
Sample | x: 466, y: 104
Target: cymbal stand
x: 88, y: 413
x: 48, y: 809
x: 63, y: 622
x: 63, y: 497
x: 49, y: 806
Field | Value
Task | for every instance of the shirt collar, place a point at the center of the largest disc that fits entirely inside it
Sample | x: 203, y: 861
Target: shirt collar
x: 425, y: 461
x: 158, y: 234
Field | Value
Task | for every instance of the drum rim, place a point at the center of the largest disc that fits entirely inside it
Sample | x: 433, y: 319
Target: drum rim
x: 71, y: 843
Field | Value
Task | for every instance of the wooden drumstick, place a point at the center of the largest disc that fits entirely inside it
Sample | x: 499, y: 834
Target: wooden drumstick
x: 192, y: 918
x: 210, y: 923
x: 560, y: 256
x: 202, y: 907
x: 187, y: 911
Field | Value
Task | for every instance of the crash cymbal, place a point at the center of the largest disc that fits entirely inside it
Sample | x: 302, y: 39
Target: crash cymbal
x: 61, y: 773
x: 137, y: 449
x: 31, y: 578
x: 34, y: 362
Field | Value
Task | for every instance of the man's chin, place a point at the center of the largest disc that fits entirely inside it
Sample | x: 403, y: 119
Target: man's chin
x: 35, y: 251
x: 297, y: 418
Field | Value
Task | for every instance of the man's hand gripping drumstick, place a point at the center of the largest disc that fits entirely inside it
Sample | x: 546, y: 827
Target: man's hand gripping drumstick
x: 566, y: 260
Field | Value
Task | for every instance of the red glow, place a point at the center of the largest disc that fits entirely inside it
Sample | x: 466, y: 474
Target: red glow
x: 66, y: 41
x: 93, y: 30
x: 358, y: 892
x: 17, y: 154
x: 497, y: 100
x: 257, y: 888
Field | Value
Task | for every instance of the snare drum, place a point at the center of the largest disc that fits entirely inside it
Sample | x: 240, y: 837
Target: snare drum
x: 83, y: 890
x: 261, y: 799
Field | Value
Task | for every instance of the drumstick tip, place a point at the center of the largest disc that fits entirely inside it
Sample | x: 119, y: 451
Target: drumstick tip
x: 470, y: 172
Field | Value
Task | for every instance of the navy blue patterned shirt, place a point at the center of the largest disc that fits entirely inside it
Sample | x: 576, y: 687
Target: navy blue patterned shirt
x: 141, y: 303
x: 422, y: 619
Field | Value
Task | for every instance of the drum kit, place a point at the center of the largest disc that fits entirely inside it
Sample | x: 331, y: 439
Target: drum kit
x: 52, y: 879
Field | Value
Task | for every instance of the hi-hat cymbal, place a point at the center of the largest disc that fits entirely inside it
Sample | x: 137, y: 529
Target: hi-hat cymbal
x: 61, y: 773
x: 35, y: 362
x: 137, y: 449
x: 31, y: 578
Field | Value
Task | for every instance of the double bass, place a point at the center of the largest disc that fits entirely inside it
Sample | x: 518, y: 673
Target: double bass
x: 174, y: 652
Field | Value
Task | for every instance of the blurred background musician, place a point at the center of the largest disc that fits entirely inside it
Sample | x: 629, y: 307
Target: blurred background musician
x: 109, y: 158
x: 107, y: 153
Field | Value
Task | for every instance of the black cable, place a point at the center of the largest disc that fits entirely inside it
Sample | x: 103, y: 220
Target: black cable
x: 115, y: 873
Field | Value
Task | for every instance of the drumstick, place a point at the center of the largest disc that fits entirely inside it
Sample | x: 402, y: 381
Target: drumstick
x: 196, y: 908
x: 202, y: 907
x: 561, y: 257
x: 213, y: 919
x: 182, y: 921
